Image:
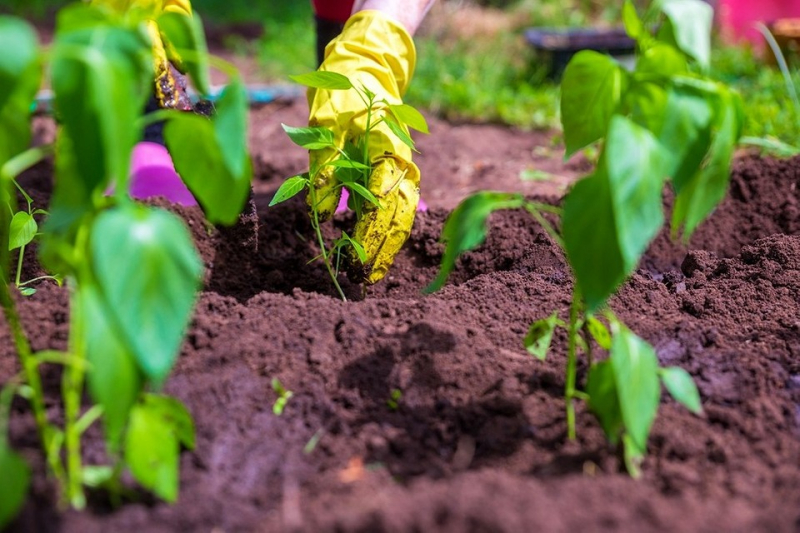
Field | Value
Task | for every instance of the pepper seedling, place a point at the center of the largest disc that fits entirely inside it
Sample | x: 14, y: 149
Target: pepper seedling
x: 132, y: 271
x: 353, y: 166
x: 663, y: 121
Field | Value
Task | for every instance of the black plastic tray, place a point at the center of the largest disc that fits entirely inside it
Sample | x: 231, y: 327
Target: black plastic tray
x: 559, y: 45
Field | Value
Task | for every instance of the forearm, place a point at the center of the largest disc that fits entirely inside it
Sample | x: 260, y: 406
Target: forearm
x: 408, y: 12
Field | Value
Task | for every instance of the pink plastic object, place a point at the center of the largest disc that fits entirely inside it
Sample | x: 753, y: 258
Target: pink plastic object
x: 737, y: 18
x: 153, y: 174
x: 342, y: 207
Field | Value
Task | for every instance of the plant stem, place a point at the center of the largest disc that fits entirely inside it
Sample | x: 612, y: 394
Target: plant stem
x: 324, y: 252
x: 587, y: 339
x: 21, y: 162
x: 534, y: 209
x: 39, y: 278
x: 572, y: 364
x: 71, y: 391
x: 19, y: 265
x: 28, y: 363
x: 6, y: 396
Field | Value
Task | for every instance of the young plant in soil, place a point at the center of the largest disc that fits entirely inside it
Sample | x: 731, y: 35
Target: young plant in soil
x: 132, y: 271
x: 24, y: 228
x: 352, y: 168
x: 661, y: 121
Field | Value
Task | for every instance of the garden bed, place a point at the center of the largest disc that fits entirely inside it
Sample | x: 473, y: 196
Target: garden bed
x: 477, y: 440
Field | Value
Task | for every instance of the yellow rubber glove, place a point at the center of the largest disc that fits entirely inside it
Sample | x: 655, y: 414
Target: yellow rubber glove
x: 170, y: 89
x: 376, y: 52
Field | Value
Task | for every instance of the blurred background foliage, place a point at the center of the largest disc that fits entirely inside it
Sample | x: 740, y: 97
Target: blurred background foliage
x: 473, y: 62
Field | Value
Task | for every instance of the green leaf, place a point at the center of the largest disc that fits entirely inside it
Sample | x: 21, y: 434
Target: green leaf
x: 176, y: 414
x: 360, y: 190
x: 359, y: 249
x: 680, y: 117
x: 604, y: 400
x: 610, y: 217
x: 19, y: 41
x: 346, y: 163
x: 636, y: 376
x: 590, y: 91
x: 230, y: 126
x: 681, y: 387
x: 289, y: 189
x: 771, y: 145
x: 399, y: 132
x: 590, y: 239
x: 114, y: 379
x: 311, y: 138
x: 186, y: 35
x: 539, y: 336
x: 633, y: 24
x: 16, y: 481
x: 15, y: 115
x: 151, y: 451
x: 95, y: 476
x: 636, y: 180
x: 200, y: 159
x: 20, y: 76
x: 698, y: 196
x: 148, y: 272
x: 81, y: 16
x: 691, y: 22
x: 661, y: 60
x: 323, y: 80
x: 408, y: 115
x: 96, y: 71
x: 465, y: 228
x: 27, y: 291
x: 22, y: 230
x: 599, y: 332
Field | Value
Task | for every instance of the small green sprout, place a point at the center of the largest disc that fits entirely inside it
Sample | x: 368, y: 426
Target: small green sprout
x: 283, y: 396
x: 394, y: 399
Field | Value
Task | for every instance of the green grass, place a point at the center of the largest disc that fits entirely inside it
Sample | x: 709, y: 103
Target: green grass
x: 487, y: 80
x: 219, y: 11
x: 497, y: 81
x: 288, y: 45
x: 768, y: 105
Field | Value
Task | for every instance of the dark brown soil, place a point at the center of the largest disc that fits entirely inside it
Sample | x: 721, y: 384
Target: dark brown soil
x: 478, y: 439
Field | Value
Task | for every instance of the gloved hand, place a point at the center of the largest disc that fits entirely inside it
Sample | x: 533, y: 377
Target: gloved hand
x: 376, y: 52
x: 170, y: 86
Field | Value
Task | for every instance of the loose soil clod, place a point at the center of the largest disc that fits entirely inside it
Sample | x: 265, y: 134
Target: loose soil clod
x: 477, y: 441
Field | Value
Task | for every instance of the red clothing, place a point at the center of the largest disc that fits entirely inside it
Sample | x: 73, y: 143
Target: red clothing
x: 333, y: 10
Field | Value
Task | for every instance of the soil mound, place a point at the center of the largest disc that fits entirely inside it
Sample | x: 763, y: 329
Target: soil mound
x: 424, y: 413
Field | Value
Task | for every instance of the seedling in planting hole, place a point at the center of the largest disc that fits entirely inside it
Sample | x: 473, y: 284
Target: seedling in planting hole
x: 662, y: 121
x: 283, y: 396
x: 352, y: 168
x: 393, y: 402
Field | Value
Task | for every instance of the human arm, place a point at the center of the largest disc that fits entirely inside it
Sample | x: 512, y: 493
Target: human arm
x: 375, y: 51
x: 409, y: 13
x: 170, y: 88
